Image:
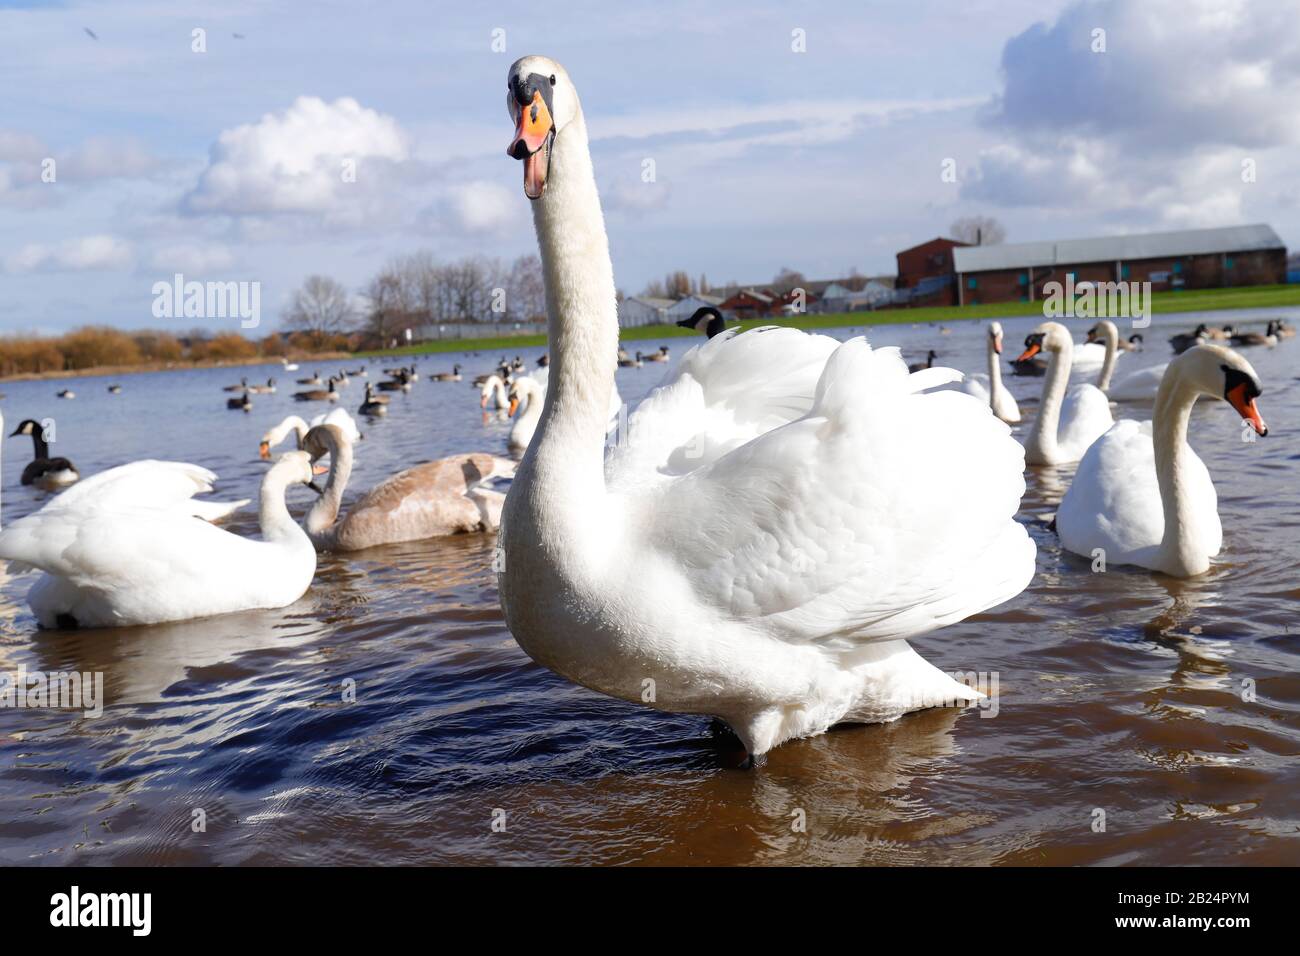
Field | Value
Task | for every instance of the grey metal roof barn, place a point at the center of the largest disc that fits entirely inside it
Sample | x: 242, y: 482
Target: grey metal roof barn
x: 1148, y: 245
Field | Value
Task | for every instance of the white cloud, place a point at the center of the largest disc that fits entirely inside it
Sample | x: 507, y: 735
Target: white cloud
x: 1155, y: 128
x: 299, y: 161
x: 481, y: 206
x: 73, y: 255
x: 191, y: 258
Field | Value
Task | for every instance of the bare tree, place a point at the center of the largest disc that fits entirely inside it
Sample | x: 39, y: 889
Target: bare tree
x: 978, y: 231
x: 786, y: 280
x: 525, y: 290
x: 321, y: 307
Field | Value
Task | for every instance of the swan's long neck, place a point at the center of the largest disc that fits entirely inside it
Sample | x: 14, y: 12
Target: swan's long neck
x: 1180, y: 551
x: 320, y: 519
x: 995, y: 372
x: 567, y: 455
x: 1108, y: 363
x: 272, y: 512
x: 1043, y: 435
x: 535, y: 400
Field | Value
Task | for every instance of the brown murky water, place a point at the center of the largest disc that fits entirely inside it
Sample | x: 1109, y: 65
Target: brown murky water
x: 1119, y: 692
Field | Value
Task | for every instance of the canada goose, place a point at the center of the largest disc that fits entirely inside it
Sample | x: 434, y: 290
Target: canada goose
x: 660, y: 356
x: 67, y: 393
x: 314, y: 380
x: 341, y: 379
x: 1185, y: 340
x: 327, y: 394
x: 1221, y: 335
x: 115, y: 389
x: 928, y: 363
x: 627, y: 361
x: 241, y: 387
x: 705, y: 319
x: 1134, y: 343
x: 267, y: 389
x: 545, y: 359
x: 452, y: 376
x: 243, y: 403
x: 373, y: 404
x: 1283, y: 330
x: 1254, y: 338
x: 49, y: 474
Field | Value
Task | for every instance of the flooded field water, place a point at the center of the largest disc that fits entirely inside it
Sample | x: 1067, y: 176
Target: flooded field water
x: 1120, y: 692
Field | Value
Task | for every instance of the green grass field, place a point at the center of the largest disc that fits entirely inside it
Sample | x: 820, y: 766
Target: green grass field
x: 1199, y: 300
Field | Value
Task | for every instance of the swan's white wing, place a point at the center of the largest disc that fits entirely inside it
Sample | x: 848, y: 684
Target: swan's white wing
x: 1085, y: 417
x: 722, y: 394
x: 163, y: 485
x: 1141, y: 385
x: 1114, y: 501
x: 1087, y: 358
x: 974, y: 384
x: 881, y: 514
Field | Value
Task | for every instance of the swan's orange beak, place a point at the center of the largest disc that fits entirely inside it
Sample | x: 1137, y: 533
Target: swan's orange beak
x: 1247, y: 409
x: 264, y: 451
x: 532, y: 143
x: 514, y: 406
x: 319, y: 469
x: 997, y: 344
x: 1030, y: 352
x: 482, y: 402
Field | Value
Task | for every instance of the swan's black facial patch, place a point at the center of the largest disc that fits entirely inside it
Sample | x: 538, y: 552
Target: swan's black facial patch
x: 523, y: 88
x: 66, y: 622
x: 1234, y: 378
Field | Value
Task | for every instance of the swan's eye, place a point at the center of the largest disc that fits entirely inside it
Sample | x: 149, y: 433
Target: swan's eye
x: 552, y: 79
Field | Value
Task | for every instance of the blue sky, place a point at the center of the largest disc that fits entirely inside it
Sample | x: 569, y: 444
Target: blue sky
x: 224, y: 164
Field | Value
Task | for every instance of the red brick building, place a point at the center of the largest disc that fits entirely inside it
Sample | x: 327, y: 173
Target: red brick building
x: 928, y: 270
x: 1187, y: 259
x: 749, y: 304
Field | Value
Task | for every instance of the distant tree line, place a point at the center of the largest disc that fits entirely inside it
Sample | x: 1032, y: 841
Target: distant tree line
x: 419, y: 293
x: 101, y: 346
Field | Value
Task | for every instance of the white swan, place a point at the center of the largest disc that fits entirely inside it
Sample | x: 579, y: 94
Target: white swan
x: 128, y: 565
x: 1141, y: 494
x: 526, y: 397
x: 1066, y: 424
x: 773, y: 584
x: 530, y: 392
x: 1109, y: 335
x: 1136, y: 386
x: 294, y: 425
x: 989, y: 388
x: 443, y: 497
x: 493, y: 387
